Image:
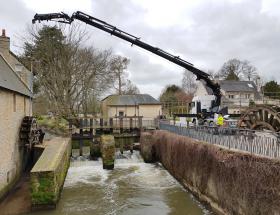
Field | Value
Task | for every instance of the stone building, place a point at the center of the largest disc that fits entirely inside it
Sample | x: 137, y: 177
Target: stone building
x: 236, y: 95
x: 131, y: 105
x: 15, y: 103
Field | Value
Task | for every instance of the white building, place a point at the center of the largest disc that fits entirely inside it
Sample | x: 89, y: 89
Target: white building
x: 236, y: 95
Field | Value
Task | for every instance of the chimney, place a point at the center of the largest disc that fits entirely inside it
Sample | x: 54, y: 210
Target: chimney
x: 4, y: 43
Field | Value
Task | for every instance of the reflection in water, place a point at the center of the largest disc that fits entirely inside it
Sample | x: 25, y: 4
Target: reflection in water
x: 132, y: 188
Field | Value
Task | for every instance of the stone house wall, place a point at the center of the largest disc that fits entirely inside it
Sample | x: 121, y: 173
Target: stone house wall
x: 13, y: 107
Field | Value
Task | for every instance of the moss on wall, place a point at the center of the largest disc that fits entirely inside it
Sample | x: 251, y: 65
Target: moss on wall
x: 43, y: 189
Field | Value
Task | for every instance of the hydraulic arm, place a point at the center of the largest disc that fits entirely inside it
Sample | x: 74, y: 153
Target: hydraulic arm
x: 64, y: 18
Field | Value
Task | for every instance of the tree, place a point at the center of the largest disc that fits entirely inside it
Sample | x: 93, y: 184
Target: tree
x: 122, y: 84
x: 174, y: 98
x: 250, y: 72
x: 232, y: 76
x: 189, y: 82
x: 272, y: 89
x: 174, y: 93
x: 118, y: 67
x: 68, y: 73
x: 130, y: 88
x: 235, y: 69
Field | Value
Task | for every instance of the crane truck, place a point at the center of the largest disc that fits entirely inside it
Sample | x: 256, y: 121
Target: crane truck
x: 203, y: 107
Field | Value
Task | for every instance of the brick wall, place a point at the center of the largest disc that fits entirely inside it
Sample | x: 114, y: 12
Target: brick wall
x: 13, y: 107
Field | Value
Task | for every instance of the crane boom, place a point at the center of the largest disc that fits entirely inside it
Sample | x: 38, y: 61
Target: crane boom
x: 64, y: 18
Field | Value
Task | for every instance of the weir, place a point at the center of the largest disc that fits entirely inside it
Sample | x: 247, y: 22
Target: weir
x: 133, y: 187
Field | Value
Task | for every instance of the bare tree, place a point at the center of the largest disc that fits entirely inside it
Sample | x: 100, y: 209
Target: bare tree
x: 249, y: 72
x: 189, y: 82
x: 67, y: 72
x: 130, y: 88
x: 122, y: 84
x: 235, y: 69
x: 118, y: 67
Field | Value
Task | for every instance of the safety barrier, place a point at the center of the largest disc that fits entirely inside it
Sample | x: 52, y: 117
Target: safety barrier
x: 256, y: 142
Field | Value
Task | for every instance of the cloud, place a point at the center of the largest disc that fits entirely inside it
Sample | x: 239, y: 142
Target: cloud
x: 219, y: 31
x: 14, y: 16
x: 206, y: 33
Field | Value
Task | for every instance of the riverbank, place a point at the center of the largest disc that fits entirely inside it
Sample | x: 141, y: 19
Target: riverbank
x: 231, y: 182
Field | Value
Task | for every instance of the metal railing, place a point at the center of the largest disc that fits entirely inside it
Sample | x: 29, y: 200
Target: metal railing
x: 255, y: 142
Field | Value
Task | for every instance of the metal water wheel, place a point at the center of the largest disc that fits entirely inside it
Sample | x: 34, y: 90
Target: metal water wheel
x: 261, y: 117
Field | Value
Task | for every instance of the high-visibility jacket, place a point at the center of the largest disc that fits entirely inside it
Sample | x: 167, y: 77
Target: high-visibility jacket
x: 220, y: 121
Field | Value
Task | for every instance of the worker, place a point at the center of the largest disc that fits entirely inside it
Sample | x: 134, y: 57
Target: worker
x: 220, y: 121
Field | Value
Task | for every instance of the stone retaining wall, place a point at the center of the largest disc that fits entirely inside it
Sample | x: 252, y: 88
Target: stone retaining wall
x: 48, y: 174
x: 231, y: 182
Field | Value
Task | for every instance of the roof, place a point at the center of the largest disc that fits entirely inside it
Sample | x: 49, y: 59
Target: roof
x: 238, y: 86
x: 137, y: 99
x: 10, y: 80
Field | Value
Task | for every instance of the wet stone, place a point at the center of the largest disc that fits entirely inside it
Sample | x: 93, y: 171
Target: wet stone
x: 108, y: 151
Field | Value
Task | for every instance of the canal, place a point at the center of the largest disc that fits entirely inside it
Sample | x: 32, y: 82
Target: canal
x: 132, y: 188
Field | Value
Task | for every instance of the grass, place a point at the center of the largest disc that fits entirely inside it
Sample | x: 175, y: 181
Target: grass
x: 55, y: 125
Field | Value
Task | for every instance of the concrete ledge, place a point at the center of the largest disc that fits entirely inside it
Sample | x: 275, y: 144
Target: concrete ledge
x: 49, y: 172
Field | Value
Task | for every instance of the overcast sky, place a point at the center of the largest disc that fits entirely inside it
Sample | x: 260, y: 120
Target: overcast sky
x: 206, y: 33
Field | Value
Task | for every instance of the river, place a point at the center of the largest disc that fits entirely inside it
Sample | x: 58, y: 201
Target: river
x: 132, y: 188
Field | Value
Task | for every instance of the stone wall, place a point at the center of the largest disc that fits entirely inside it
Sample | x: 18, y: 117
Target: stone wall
x: 231, y: 182
x: 48, y: 174
x: 13, y: 107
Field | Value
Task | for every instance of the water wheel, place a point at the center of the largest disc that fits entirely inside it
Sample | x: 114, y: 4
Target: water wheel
x: 261, y: 117
x: 30, y: 136
x: 29, y: 133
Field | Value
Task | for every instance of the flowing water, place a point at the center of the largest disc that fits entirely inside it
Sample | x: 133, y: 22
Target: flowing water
x: 132, y: 188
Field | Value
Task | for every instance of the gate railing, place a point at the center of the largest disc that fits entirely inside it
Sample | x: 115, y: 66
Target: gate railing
x: 255, y: 142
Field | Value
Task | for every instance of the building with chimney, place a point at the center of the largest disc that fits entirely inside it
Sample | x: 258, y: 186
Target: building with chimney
x: 15, y: 103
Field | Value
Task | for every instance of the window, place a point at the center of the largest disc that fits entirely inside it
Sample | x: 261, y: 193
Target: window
x: 121, y: 113
x: 231, y: 96
x: 15, y: 102
x: 247, y: 96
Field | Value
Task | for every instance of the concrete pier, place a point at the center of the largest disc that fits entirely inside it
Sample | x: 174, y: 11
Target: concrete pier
x: 108, y: 151
x: 146, y: 147
x: 48, y: 174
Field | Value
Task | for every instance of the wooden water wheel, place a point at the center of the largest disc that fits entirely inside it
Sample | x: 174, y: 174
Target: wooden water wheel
x: 261, y: 117
x: 30, y: 136
x: 29, y: 132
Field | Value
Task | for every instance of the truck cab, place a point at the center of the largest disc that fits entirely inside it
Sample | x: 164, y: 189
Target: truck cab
x: 202, y: 104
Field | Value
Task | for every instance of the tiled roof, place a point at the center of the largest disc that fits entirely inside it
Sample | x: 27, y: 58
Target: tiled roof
x: 238, y: 86
x: 137, y: 99
x: 9, y: 79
